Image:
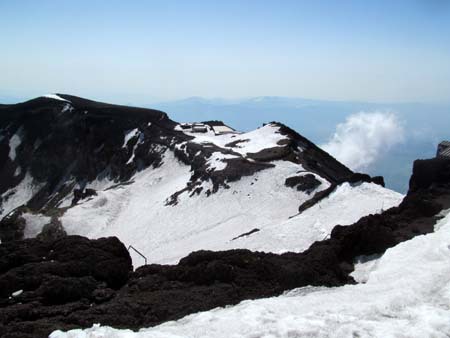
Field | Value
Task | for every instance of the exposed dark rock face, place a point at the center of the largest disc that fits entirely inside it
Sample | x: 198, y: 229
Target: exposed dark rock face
x: 305, y: 183
x: 358, y: 178
x: 52, y: 231
x: 55, y: 278
x: 25, y: 264
x: 215, y: 123
x: 314, y: 159
x: 245, y: 234
x: 69, y: 292
x: 60, y: 144
x: 13, y: 225
x: 234, y: 144
x: 430, y: 175
x: 79, y: 194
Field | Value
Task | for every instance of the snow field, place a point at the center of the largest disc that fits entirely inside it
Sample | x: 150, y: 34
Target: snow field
x: 18, y: 195
x: 138, y: 215
x: 34, y: 224
x: 254, y: 141
x: 14, y: 142
x: 55, y: 97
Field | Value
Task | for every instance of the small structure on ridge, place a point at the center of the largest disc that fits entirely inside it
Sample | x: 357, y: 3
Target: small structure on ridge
x: 443, y: 149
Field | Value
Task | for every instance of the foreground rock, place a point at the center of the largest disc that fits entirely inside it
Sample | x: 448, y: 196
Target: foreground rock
x: 42, y: 281
x: 79, y: 283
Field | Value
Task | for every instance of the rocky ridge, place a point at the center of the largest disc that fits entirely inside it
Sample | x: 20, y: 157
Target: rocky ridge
x: 53, y: 148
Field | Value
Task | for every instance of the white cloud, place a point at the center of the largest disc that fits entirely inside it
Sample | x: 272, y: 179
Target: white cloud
x: 364, y: 137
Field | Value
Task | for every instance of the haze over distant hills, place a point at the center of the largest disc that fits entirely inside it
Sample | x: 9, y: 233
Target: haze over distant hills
x: 423, y: 125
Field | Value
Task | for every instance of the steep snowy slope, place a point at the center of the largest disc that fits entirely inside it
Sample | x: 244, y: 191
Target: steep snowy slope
x: 79, y: 167
x: 407, y: 295
x: 137, y: 213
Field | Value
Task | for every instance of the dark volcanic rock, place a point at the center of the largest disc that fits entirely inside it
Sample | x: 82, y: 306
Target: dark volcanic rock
x: 245, y: 234
x: 313, y: 158
x: 12, y: 226
x: 305, y: 183
x: 61, y: 144
x: 358, y: 178
x: 430, y: 175
x: 26, y: 264
x: 52, y: 231
x: 79, y: 194
x: 214, y: 123
x: 56, y: 278
x: 58, y: 290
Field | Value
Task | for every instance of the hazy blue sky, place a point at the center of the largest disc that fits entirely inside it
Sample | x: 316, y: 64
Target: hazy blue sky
x: 142, y: 51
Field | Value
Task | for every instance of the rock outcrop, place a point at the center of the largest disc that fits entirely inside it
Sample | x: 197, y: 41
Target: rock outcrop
x: 71, y: 141
x: 41, y: 282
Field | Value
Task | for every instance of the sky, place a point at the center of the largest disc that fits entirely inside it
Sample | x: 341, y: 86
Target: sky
x: 146, y: 51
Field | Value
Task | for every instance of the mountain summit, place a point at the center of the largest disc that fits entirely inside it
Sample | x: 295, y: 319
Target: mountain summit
x: 69, y: 165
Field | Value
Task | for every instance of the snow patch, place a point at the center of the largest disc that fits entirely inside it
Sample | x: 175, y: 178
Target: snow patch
x: 55, y: 97
x: 66, y: 202
x: 34, y: 224
x: 217, y: 161
x: 14, y: 142
x: 364, y: 265
x: 19, y: 195
x: 254, y: 141
x: 129, y: 135
x: 140, y: 140
x: 67, y: 107
x: 17, y: 293
x: 18, y: 171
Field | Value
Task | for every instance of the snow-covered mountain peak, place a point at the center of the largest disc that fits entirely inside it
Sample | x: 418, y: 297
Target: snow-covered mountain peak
x: 168, y: 188
x: 55, y: 97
